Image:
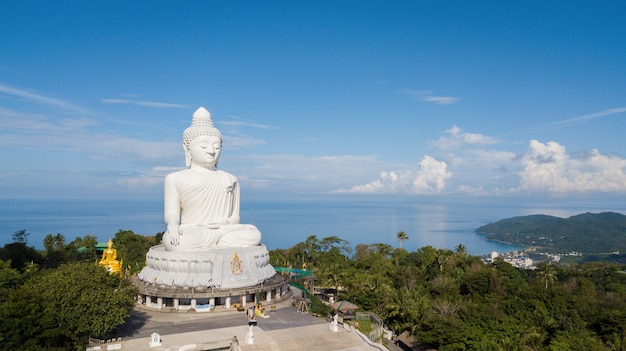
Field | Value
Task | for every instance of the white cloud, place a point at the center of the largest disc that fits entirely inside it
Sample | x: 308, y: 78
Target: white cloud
x: 548, y: 167
x: 440, y: 100
x: 455, y: 138
x: 427, y: 96
x: 430, y: 178
x: 387, y: 183
x: 142, y: 103
x: 481, y: 170
x: 478, y: 167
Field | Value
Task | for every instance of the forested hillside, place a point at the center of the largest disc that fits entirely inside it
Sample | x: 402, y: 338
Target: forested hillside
x: 587, y: 233
x: 450, y: 300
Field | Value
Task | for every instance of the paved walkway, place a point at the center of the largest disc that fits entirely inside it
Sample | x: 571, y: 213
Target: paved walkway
x: 285, y: 330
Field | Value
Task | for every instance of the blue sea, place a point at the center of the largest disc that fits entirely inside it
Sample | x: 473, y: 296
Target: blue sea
x: 438, y: 222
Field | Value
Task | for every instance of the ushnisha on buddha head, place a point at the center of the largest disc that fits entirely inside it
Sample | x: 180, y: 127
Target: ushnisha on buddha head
x: 202, y: 136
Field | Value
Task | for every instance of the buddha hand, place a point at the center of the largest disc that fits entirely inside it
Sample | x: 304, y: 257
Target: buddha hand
x: 174, y: 234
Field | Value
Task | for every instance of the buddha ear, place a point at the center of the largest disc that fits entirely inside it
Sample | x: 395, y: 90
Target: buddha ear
x: 187, y: 156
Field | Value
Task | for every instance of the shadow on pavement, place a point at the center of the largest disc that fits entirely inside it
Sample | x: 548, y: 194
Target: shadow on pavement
x: 133, y: 325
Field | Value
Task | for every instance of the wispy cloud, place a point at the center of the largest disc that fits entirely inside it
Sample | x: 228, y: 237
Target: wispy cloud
x: 440, y: 100
x: 142, y: 103
x: 576, y: 120
x: 39, y: 99
x: 234, y: 136
x: 63, y: 130
x: 146, y: 179
x: 32, y: 131
x: 427, y: 96
x: 237, y: 122
x: 242, y: 141
x: 17, y: 123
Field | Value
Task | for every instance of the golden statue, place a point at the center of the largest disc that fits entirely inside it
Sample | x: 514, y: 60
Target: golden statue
x: 109, y: 259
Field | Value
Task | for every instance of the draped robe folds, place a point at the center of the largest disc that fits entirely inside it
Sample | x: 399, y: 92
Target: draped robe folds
x: 209, y: 217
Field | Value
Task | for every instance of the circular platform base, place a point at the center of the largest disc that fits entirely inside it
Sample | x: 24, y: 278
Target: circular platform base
x: 203, y: 299
x: 210, y: 269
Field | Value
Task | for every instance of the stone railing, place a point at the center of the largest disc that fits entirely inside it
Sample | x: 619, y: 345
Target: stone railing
x: 101, y: 345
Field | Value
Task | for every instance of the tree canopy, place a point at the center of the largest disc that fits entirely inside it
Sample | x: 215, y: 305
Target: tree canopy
x: 55, y: 299
x: 62, y: 308
x: 450, y: 300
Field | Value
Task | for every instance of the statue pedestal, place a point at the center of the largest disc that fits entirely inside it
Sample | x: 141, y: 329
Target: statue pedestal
x: 215, y: 268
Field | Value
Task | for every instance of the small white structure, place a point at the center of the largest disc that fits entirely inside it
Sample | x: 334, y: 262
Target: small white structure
x: 493, y: 255
x: 251, y: 323
x: 250, y: 334
x: 155, y: 340
x: 334, y: 327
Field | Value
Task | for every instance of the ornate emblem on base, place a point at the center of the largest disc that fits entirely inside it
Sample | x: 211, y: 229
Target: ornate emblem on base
x: 235, y: 265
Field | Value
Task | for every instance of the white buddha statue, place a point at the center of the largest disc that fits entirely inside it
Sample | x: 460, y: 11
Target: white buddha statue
x: 201, y: 203
x: 204, y: 244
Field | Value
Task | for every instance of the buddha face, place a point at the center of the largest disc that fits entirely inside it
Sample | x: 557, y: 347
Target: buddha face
x: 205, y: 151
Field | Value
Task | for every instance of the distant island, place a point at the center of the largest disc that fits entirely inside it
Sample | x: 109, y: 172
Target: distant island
x: 587, y: 233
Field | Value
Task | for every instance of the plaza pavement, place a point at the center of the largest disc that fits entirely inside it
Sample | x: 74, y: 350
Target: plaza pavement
x: 285, y: 330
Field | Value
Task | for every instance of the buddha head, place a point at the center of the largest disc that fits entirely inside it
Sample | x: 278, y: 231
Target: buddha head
x: 200, y: 136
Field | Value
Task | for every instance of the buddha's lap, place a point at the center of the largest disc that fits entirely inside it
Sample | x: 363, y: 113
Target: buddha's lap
x: 199, y: 236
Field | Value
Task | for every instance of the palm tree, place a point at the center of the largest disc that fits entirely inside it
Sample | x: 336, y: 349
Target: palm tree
x: 402, y: 237
x: 460, y: 249
x: 548, y: 274
x: 406, y: 308
x: 331, y: 275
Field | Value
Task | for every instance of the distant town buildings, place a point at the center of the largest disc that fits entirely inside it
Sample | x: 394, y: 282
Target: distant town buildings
x: 516, y: 259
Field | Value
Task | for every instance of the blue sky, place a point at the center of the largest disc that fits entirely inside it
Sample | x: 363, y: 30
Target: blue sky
x: 435, y: 98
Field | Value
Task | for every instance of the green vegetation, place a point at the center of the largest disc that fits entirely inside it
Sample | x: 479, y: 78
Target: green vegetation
x: 62, y: 308
x: 132, y: 248
x: 365, y: 326
x: 586, y: 233
x: 57, y: 298
x: 450, y: 300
